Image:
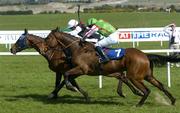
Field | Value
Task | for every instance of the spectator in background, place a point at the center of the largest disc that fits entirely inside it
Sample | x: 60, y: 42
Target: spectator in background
x: 174, y: 39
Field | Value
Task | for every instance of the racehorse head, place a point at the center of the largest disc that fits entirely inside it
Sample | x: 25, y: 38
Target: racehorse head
x: 29, y: 41
x: 51, y: 38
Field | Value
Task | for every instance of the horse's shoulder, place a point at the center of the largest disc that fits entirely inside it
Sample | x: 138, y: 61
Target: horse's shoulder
x: 86, y: 48
x: 89, y: 46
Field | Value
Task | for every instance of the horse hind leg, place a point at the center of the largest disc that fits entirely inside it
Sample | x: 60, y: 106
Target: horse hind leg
x: 140, y: 85
x: 122, y: 78
x: 160, y: 86
x: 126, y: 81
x: 58, y: 86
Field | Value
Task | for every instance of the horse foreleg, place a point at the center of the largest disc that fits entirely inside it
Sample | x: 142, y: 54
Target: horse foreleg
x: 119, y: 88
x: 72, y: 72
x: 81, y: 91
x: 58, y: 86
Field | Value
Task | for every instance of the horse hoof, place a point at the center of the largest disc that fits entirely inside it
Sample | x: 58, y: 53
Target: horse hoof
x: 52, y: 96
x: 173, y: 101
x: 138, y: 105
x: 121, y: 95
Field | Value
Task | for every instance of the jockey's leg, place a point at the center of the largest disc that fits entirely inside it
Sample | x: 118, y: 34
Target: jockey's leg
x: 102, y: 54
x: 112, y: 39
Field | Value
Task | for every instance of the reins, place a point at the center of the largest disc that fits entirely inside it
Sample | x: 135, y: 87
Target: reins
x: 64, y: 46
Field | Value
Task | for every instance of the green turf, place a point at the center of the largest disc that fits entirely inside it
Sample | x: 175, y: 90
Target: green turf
x: 26, y: 81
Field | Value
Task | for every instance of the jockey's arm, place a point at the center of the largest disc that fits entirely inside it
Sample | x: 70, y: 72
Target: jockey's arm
x: 167, y: 29
x: 92, y: 30
x: 76, y: 31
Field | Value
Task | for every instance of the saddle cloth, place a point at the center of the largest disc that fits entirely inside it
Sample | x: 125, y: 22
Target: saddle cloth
x: 114, y: 53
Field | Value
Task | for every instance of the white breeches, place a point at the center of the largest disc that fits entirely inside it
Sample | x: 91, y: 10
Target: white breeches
x: 110, y: 40
x: 174, y: 46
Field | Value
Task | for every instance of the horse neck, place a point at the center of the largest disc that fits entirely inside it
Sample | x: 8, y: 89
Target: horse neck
x: 36, y: 40
x: 69, y: 42
x: 48, y: 54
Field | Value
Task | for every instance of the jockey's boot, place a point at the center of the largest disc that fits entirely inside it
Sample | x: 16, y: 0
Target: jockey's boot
x: 102, y: 54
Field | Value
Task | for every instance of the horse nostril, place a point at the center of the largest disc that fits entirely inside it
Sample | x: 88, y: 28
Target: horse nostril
x: 13, y: 51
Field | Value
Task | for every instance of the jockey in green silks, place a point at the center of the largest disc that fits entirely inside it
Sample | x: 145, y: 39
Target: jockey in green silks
x: 78, y: 29
x: 74, y: 28
x: 107, y: 30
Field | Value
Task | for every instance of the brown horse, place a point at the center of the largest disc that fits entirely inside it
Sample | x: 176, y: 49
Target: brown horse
x: 55, y: 56
x: 138, y: 65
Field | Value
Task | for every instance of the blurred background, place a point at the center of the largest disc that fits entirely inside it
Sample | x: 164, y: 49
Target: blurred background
x: 64, y: 6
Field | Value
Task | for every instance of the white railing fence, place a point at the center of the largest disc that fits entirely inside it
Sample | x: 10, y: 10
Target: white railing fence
x: 133, y: 35
x: 10, y: 37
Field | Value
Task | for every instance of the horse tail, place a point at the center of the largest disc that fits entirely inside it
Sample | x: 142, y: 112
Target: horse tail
x: 161, y: 60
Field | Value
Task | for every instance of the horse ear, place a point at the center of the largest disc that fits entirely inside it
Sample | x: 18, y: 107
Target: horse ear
x: 57, y: 28
x: 25, y: 31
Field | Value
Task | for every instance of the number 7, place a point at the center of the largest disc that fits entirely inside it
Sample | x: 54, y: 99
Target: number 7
x: 118, y: 51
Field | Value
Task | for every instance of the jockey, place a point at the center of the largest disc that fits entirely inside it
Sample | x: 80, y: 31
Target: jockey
x: 78, y: 29
x: 75, y: 28
x: 107, y: 30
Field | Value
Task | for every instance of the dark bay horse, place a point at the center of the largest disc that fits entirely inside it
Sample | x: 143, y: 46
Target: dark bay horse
x: 138, y: 65
x: 55, y: 57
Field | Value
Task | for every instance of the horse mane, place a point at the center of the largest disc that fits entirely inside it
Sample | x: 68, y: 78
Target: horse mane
x: 36, y: 36
x: 69, y: 35
x: 64, y: 33
x: 87, y: 46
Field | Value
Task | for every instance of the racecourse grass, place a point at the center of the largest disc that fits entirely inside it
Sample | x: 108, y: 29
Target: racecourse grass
x: 26, y: 81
